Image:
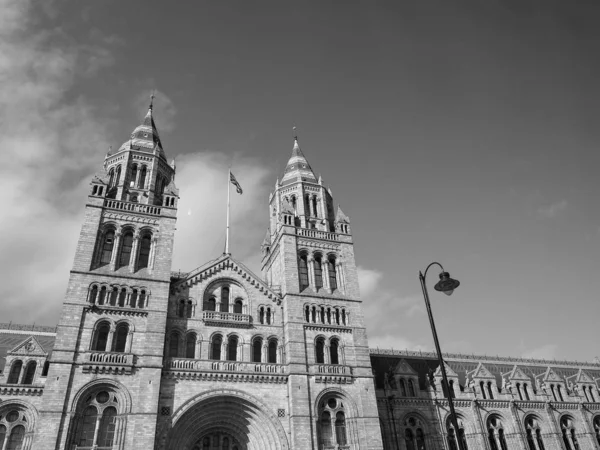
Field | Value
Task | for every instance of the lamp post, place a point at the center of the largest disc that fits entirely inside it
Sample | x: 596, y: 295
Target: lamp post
x: 447, y: 286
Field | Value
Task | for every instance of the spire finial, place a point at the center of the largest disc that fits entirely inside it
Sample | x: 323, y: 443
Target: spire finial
x: 295, y: 133
x: 152, y: 99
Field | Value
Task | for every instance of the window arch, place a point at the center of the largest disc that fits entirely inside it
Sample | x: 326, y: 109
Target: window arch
x: 232, y: 348
x: 126, y: 247
x: 15, y: 372
x: 225, y: 299
x: 318, y: 270
x: 189, y: 309
x: 217, y: 341
x: 30, y: 372
x: 534, y: 433
x: 567, y: 425
x: 526, y: 391
x: 108, y: 243
x: 489, y: 387
x: 134, y: 171
x: 496, y: 435
x: 100, y: 338
x: 414, y: 437
x: 303, y: 271
x: 402, y: 387
x: 482, y: 386
x: 238, y: 306
x: 411, y: 388
x: 142, y: 182
x: 121, y: 335
x: 332, y: 424
x: 334, y: 346
x: 96, y: 419
x: 597, y: 428
x: 332, y: 273
x: 181, y: 308
x: 190, y: 345
x: 559, y: 391
x: 257, y: 345
x: 144, y: 253
x: 320, y: 350
x: 272, y: 351
x: 211, y: 304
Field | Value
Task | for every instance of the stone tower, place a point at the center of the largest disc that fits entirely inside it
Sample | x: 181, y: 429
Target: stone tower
x: 105, y: 371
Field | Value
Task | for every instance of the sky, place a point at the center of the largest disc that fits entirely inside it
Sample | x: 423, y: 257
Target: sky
x: 457, y: 131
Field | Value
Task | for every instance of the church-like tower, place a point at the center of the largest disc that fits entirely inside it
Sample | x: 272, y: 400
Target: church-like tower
x: 105, y: 370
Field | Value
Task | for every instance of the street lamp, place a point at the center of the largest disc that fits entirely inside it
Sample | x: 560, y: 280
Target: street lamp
x: 446, y: 285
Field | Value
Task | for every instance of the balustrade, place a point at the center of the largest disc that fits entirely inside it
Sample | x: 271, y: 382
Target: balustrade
x: 317, y: 234
x: 132, y: 207
x: 110, y: 358
x: 195, y: 365
x: 331, y: 369
x: 217, y: 316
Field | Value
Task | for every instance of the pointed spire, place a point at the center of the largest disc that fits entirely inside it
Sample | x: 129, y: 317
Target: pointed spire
x: 297, y: 167
x: 145, y: 137
x: 152, y: 99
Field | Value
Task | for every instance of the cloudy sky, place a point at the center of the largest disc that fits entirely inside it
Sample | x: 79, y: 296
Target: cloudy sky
x: 460, y: 131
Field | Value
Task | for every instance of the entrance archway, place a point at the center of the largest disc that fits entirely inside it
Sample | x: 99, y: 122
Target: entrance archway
x: 226, y: 419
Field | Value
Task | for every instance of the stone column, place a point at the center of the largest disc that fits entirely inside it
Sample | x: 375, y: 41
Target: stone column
x: 115, y: 250
x: 134, y: 250
x: 311, y: 271
x: 327, y: 354
x: 111, y: 335
x: 340, y: 276
x: 152, y: 254
x: 264, y: 353
x: 224, y: 350
x: 137, y: 177
x: 129, y: 341
x: 325, y: 273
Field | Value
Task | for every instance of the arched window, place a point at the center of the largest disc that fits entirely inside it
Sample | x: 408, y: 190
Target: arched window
x: 452, y: 439
x: 15, y: 440
x: 118, y: 175
x: 553, y: 392
x: 496, y: 434
x: 144, y: 254
x: 142, y: 299
x: 326, y: 434
x: 340, y: 428
x: 567, y: 425
x: 402, y: 387
x: 224, y: 299
x: 93, y: 294
x: 257, y: 350
x: 519, y: 391
x: 211, y: 304
x: 216, y: 347
x: 268, y: 316
x: 107, y: 247
x: 190, y: 309
x: 592, y: 398
x: 174, y: 344
x: 334, y: 352
x: 597, y: 428
x: 45, y: 369
x: 303, y: 271
x: 261, y: 314
x: 95, y: 422
x: 411, y: 388
x: 15, y: 372
x: 114, y: 294
x: 111, y: 177
x: 559, y: 390
x: 409, y: 438
x: 318, y: 269
x: 525, y: 391
x: 206, y: 443
x: 101, y: 337
x: 181, y: 308
x: 30, y: 372
x: 238, y: 306
x: 134, y: 170
x: 133, y: 298
x: 534, y: 434
x: 232, y: 345
x: 122, y: 297
x: 121, y: 337
x: 332, y: 273
x: 106, y: 431
x: 320, y: 351
x: 273, y: 351
x: 307, y: 313
x: 489, y: 386
x: 190, y: 346
x: 126, y: 246
x: 482, y: 386
x: 102, y: 296
x: 87, y: 427
x: 420, y: 440
x: 142, y: 183
x: 452, y: 434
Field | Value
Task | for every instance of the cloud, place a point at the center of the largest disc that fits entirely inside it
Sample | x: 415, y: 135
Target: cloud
x: 552, y: 210
x: 50, y: 146
x: 383, y: 328
x: 547, y: 351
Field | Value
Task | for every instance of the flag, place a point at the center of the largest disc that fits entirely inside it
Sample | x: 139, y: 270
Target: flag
x: 238, y: 188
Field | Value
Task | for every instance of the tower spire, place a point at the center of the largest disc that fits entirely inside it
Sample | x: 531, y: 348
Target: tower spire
x: 297, y: 167
x: 152, y: 99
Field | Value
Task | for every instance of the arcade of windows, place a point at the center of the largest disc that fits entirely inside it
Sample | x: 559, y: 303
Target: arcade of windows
x: 486, y: 390
x: 406, y: 387
x: 112, y: 337
x: 186, y: 345
x: 24, y: 373
x: 413, y: 434
x: 137, y: 178
x: 13, y: 427
x: 221, y: 299
x: 332, y: 433
x: 125, y: 248
x: 328, y: 351
x: 118, y: 296
x: 318, y: 271
x: 326, y: 315
x: 452, y: 443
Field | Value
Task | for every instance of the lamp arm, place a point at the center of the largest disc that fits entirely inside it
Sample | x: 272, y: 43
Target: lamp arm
x: 432, y: 264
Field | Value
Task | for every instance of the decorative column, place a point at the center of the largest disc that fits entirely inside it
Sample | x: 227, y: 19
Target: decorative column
x: 137, y: 177
x: 311, y: 271
x: 224, y: 350
x: 264, y: 353
x: 111, y: 335
x: 129, y: 341
x: 152, y: 254
x: 327, y: 354
x: 340, y: 276
x: 325, y: 274
x: 134, y: 251
x: 115, y: 250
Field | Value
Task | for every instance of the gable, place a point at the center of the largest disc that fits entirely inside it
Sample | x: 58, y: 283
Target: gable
x: 220, y: 267
x: 29, y: 347
x: 403, y: 368
x: 449, y: 371
x: 551, y: 375
x: 482, y: 372
x: 583, y: 377
x: 518, y: 374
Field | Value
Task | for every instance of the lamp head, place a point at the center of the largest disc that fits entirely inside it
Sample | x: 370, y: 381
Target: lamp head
x: 446, y: 284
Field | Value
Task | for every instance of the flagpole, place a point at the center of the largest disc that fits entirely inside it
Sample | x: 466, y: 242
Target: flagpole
x: 227, y: 232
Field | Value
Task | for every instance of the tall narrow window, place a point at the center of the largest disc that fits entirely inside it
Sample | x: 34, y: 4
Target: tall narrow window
x: 463, y: 438
x: 101, y: 337
x: 540, y: 441
x: 121, y: 337
x: 238, y: 306
x: 181, y: 309
x: 320, y: 351
x: 94, y: 294
x: 326, y: 435
x: 88, y: 428
x: 126, y: 246
x: 334, y: 352
x: 303, y: 272
x: 232, y: 345
x: 225, y: 299
x: 530, y: 440
x: 106, y: 431
x: 211, y: 304
x: 409, y: 439
x: 142, y: 183
x: 144, y: 254
x: 553, y: 392
x: 123, y: 297
x: 452, y: 440
x: 216, y: 347
x: 15, y: 372
x: 190, y: 346
x: 340, y: 429
x: 420, y: 440
x: 402, y: 387
x: 174, y: 345
x: 261, y: 314
x: 411, y: 388
x: 118, y: 176
x: 332, y: 273
x: 482, y: 386
x: 502, y: 439
x: 268, y: 316
x: 189, y: 309
x: 111, y: 178
x: 142, y: 299
x: 451, y: 390
x: 519, y: 391
x: 114, y: 294
x: 318, y: 272
x: 15, y: 440
x: 592, y: 398
x: 525, y: 391
x: 489, y: 386
x: 273, y: 351
x: 559, y: 390
x: 107, y: 247
x: 133, y: 298
x: 597, y: 428
x: 257, y: 350
x: 134, y: 170
x: 102, y: 296
x: 45, y: 369
x: 30, y: 373
x: 492, y: 440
